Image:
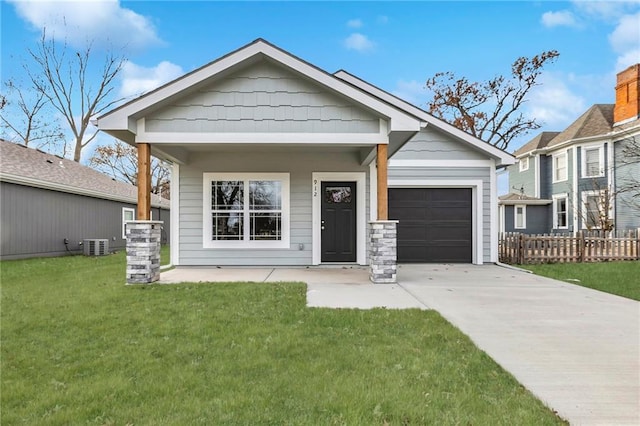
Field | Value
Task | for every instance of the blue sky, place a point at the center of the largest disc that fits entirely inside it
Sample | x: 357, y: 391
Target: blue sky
x: 394, y: 45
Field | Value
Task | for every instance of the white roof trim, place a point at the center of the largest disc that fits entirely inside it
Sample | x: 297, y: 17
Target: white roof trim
x: 118, y: 119
x: 37, y: 183
x: 503, y: 157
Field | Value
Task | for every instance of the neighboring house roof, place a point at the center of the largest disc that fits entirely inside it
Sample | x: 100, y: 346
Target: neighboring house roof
x: 503, y: 157
x: 596, y: 121
x: 538, y: 142
x: 31, y: 167
x: 512, y: 198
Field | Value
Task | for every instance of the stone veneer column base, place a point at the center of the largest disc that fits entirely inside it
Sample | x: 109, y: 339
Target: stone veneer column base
x: 383, y: 251
x: 143, y: 251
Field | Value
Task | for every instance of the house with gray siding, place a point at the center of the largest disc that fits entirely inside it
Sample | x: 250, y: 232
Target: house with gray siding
x: 582, y: 173
x: 50, y: 205
x: 277, y: 162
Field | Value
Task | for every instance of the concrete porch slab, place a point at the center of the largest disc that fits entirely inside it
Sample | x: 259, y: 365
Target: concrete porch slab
x: 214, y: 275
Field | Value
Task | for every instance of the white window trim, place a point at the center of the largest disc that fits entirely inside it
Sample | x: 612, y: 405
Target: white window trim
x: 207, y: 221
x: 124, y: 220
x: 523, y: 164
x: 524, y: 216
x: 583, y: 207
x: 360, y: 179
x: 583, y: 165
x: 555, y: 198
x: 554, y: 167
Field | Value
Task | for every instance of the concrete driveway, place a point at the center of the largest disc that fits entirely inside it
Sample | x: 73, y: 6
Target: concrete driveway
x: 576, y: 349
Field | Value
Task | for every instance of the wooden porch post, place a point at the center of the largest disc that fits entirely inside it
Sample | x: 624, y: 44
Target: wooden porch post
x: 144, y: 181
x: 381, y: 163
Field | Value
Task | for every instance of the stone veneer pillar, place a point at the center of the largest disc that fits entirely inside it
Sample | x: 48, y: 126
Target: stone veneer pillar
x: 383, y: 251
x: 143, y: 251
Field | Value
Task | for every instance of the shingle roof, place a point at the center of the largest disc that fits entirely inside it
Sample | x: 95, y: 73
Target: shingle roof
x: 512, y: 198
x: 538, y: 142
x: 39, y: 167
x: 597, y: 120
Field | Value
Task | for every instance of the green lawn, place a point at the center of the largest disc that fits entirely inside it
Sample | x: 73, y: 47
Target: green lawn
x: 621, y: 278
x: 80, y: 347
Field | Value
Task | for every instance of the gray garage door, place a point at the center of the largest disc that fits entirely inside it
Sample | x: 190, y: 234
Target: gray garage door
x: 435, y: 224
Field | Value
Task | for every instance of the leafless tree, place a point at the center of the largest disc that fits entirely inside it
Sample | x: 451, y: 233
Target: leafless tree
x: 66, y: 80
x: 121, y: 161
x: 27, y: 118
x: 489, y: 110
x: 628, y: 172
x: 595, y: 208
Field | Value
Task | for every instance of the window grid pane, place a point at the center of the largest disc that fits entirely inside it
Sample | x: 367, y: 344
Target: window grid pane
x: 227, y: 226
x: 227, y: 195
x: 265, y: 226
x: 265, y: 195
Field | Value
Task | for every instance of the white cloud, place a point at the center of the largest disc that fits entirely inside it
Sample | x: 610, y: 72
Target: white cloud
x: 558, y: 19
x: 411, y: 91
x: 554, y: 104
x: 137, y: 79
x: 103, y: 22
x: 625, y: 40
x: 605, y: 10
x: 358, y: 42
x: 354, y: 23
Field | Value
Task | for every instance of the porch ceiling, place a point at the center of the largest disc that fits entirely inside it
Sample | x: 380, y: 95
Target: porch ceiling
x: 183, y: 153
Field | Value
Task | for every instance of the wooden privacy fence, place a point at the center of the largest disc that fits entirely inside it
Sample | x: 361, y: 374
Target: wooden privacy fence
x: 586, y: 246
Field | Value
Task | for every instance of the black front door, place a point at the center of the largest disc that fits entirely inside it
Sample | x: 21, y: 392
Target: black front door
x: 338, y: 222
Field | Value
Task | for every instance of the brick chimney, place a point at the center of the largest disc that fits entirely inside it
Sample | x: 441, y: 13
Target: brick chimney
x: 627, y: 100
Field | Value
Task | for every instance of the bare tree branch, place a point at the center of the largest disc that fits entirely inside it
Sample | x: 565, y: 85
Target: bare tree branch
x: 64, y: 82
x: 489, y: 110
x: 121, y: 161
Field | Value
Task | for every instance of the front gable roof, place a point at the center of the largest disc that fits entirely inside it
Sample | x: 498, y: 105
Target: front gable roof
x: 122, y: 121
x: 502, y: 157
x: 31, y: 167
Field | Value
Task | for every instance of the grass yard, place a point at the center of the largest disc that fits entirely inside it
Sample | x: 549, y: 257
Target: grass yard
x: 621, y: 278
x: 80, y: 347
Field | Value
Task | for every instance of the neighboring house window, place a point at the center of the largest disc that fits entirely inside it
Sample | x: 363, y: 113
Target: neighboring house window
x: 560, y: 167
x: 560, y: 212
x: 520, y: 217
x: 592, y: 209
x: 128, y: 215
x: 593, y: 162
x: 246, y: 210
x: 524, y: 164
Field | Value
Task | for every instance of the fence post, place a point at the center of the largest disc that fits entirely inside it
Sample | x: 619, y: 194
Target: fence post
x: 520, y: 249
x: 581, y: 246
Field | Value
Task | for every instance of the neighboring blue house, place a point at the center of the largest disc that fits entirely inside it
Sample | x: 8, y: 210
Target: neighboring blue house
x: 575, y: 179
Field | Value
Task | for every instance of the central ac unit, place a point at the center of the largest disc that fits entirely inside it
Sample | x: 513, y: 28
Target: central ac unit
x: 96, y: 247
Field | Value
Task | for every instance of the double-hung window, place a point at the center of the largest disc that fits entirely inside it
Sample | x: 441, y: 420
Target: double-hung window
x: 592, y: 161
x: 246, y: 210
x: 560, y: 218
x: 520, y: 217
x: 128, y: 214
x: 560, y: 167
x: 524, y: 164
x: 593, y: 209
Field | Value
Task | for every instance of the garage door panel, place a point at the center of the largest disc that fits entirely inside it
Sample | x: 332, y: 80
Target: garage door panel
x: 435, y: 224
